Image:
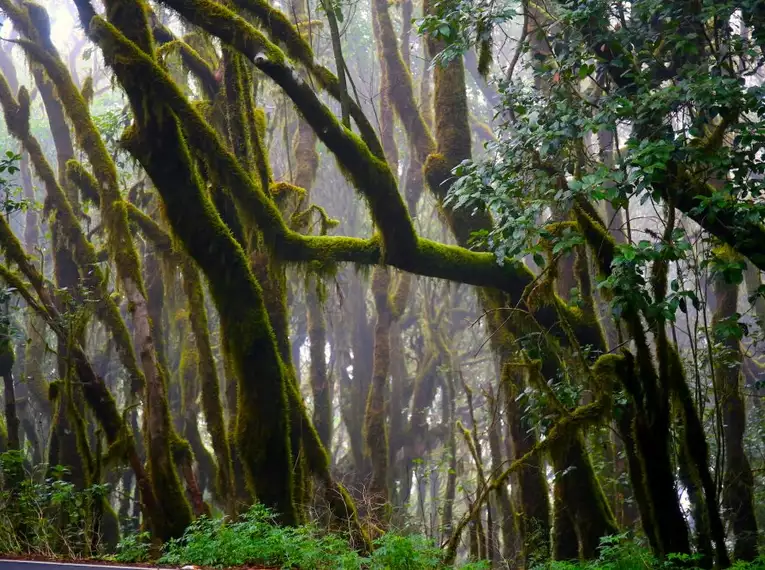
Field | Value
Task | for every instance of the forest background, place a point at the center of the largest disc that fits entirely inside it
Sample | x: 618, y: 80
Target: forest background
x: 495, y: 282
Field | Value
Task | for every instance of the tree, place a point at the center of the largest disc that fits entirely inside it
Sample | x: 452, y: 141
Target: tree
x: 202, y: 208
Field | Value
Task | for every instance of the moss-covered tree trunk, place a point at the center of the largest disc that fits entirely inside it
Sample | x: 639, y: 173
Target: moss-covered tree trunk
x: 159, y: 434
x: 375, y: 417
x: 320, y: 386
x: 32, y: 21
x: 262, y: 424
x: 355, y: 391
x: 12, y: 424
x: 36, y: 404
x: 211, y: 401
x: 652, y: 472
x: 95, y: 392
x: 504, y: 505
x: 452, y: 132
x: 738, y: 481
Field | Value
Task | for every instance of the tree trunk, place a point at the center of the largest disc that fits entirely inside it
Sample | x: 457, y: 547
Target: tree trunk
x: 738, y: 481
x: 13, y: 438
x: 317, y: 334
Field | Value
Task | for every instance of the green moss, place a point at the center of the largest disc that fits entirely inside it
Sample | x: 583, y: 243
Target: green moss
x: 651, y: 469
x: 237, y: 101
x: 211, y: 403
x: 579, y: 418
x: 195, y: 63
x: 301, y: 220
x: 738, y: 479
x: 3, y: 436
x: 34, y: 376
x: 256, y: 125
x: 81, y: 178
x: 262, y: 426
x: 96, y: 394
x: 66, y: 443
x: 119, y: 239
x: 75, y: 408
x: 369, y: 173
x: 17, y: 119
x: 267, y: 216
x: 87, y: 90
x: 283, y: 32
x: 280, y: 28
x: 376, y: 413
x: 597, y: 237
x: 287, y: 196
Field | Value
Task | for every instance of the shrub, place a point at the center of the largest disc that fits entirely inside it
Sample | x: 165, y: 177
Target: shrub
x: 255, y: 538
x: 134, y: 548
x: 44, y: 514
x: 620, y: 552
x: 405, y: 552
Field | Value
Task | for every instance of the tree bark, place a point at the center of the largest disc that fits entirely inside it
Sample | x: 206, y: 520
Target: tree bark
x: 738, y: 480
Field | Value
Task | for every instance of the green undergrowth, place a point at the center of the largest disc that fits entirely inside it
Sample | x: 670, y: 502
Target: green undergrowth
x: 620, y: 552
x: 255, y: 539
x: 42, y: 513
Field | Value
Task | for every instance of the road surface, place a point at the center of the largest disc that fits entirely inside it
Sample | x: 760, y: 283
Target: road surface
x: 39, y: 565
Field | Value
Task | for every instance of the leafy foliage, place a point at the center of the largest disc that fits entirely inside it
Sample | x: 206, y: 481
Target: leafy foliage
x: 134, y: 548
x: 620, y: 552
x: 43, y: 514
x: 255, y: 538
x: 11, y: 198
x: 463, y: 23
x: 659, y: 94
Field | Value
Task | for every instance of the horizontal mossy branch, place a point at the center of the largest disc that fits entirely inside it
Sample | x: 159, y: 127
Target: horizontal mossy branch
x: 429, y: 259
x: 426, y: 257
x: 371, y: 176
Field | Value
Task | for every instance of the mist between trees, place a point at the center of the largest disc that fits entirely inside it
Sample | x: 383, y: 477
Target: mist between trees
x: 488, y: 273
